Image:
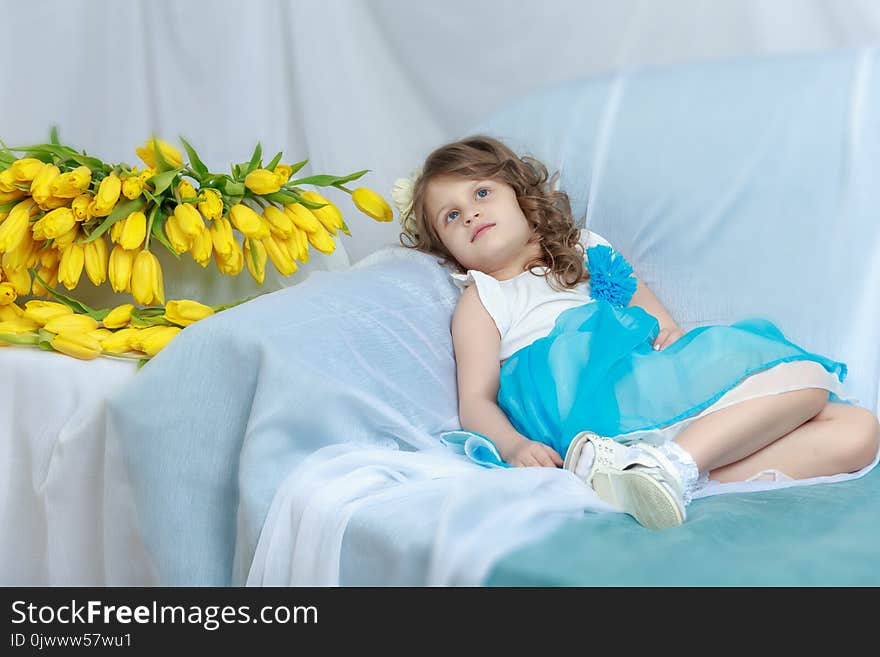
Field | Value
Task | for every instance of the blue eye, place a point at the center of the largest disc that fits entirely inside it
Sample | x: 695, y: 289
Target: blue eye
x: 482, y: 189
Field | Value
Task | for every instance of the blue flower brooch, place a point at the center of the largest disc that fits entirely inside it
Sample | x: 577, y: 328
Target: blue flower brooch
x: 611, y: 276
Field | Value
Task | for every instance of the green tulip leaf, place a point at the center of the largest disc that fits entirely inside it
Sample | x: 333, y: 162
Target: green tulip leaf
x: 344, y: 229
x: 158, y: 232
x: 75, y: 305
x: 53, y: 136
x: 284, y: 198
x: 121, y: 211
x: 275, y: 160
x: 322, y: 180
x: 162, y: 181
x: 255, y: 159
x: 161, y: 163
x: 194, y: 159
x: 296, y: 167
x: 234, y: 188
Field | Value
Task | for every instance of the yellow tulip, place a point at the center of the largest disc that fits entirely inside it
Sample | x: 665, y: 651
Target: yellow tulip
x: 255, y: 259
x: 212, y: 206
x: 262, y: 181
x: 180, y: 241
x: 321, y: 241
x: 8, y: 294
x: 298, y: 245
x: 49, y: 257
x: 70, y: 269
x: 302, y: 217
x: 119, y: 341
x: 100, y: 334
x: 23, y: 256
x: 17, y: 325
x: 136, y: 337
x: 201, y: 247
x: 48, y: 274
x: 41, y: 186
x: 76, y: 344
x: 63, y: 241
x: 147, y: 153
x: 372, y: 204
x: 71, y: 323
x: 80, y: 207
x: 134, y: 231
x: 43, y: 311
x: 145, y: 176
x: 146, y: 279
x: 20, y: 280
x: 16, y: 224
x: 70, y: 184
x: 283, y: 172
x: 132, y: 187
x: 108, y: 195
x: 184, y: 312
x: 186, y: 190
x: 154, y: 343
x: 119, y: 268
x: 221, y: 236
x: 248, y: 222
x: 54, y: 224
x: 189, y: 220
x: 8, y: 181
x: 230, y: 264
x: 118, y: 317
x: 26, y: 169
x: 10, y: 311
x: 14, y: 195
x: 329, y: 216
x: 277, y: 252
x: 279, y: 223
x: 116, y: 230
x: 96, y: 260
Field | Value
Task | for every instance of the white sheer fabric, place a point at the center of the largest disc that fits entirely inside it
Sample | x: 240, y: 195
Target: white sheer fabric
x: 353, y: 84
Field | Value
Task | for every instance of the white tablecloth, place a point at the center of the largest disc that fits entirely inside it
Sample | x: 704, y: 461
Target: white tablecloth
x: 65, y: 506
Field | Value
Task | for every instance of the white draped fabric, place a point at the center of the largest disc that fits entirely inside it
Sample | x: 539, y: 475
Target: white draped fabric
x: 354, y: 84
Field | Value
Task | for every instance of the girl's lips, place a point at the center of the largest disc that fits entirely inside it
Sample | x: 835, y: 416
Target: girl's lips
x: 481, y: 230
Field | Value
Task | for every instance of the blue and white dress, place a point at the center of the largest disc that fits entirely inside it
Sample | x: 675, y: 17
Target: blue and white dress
x: 583, y: 360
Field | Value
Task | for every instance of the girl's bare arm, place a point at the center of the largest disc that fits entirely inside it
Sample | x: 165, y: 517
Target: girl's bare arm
x: 477, y: 347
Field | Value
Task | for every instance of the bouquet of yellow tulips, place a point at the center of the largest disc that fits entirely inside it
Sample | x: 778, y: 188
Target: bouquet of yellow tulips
x: 73, y: 328
x: 58, y: 208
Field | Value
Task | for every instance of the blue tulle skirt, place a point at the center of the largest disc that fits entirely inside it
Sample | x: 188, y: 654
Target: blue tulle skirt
x: 597, y: 370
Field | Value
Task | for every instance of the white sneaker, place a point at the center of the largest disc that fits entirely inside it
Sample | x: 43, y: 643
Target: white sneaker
x: 639, y: 481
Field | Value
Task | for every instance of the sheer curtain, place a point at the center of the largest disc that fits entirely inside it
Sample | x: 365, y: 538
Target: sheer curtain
x: 353, y: 84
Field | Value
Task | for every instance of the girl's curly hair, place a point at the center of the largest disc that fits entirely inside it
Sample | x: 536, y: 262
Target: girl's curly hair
x: 548, y: 212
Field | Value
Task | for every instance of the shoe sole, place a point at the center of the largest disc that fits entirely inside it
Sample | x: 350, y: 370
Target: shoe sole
x: 639, y: 495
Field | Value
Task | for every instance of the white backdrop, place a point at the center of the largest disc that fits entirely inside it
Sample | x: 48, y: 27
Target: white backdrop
x: 353, y: 84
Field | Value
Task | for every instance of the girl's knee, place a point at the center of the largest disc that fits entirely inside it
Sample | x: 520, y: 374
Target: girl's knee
x: 859, y: 438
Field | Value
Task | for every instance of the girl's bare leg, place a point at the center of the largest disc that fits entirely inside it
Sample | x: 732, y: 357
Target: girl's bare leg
x: 841, y: 438
x: 733, y: 433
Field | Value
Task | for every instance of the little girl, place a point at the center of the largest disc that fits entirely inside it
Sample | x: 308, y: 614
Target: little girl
x: 566, y: 359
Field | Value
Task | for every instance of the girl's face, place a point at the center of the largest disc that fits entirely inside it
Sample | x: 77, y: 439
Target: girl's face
x: 481, y: 224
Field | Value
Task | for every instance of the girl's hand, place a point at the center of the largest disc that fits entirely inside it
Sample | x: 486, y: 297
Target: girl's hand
x: 532, y: 453
x: 667, y: 336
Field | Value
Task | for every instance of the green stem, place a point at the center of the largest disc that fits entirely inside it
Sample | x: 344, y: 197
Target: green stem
x: 21, y: 339
x: 343, y: 188
x: 150, y: 226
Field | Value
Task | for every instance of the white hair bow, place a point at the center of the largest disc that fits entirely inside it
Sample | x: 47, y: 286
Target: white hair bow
x: 402, y: 196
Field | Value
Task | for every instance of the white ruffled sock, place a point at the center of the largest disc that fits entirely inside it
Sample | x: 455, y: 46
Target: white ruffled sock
x: 686, y: 467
